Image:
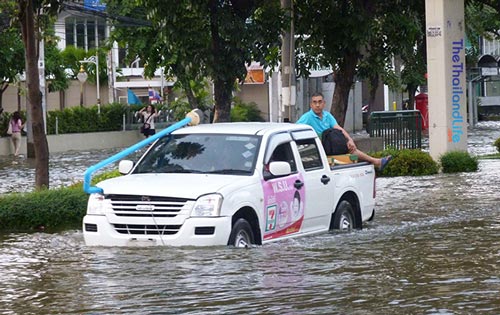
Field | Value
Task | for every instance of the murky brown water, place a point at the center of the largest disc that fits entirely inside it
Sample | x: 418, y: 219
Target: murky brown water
x: 433, y: 248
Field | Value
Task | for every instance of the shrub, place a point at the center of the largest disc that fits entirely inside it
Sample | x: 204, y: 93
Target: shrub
x: 458, y: 161
x: 86, y: 119
x: 49, y: 210
x: 497, y: 144
x: 245, y: 112
x: 408, y: 162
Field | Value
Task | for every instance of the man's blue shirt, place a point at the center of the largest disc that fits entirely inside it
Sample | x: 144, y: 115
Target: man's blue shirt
x: 319, y: 125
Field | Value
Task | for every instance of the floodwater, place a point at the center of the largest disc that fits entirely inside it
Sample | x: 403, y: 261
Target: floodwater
x: 433, y: 248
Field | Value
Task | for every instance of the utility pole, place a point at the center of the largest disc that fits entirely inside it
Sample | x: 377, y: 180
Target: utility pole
x: 96, y: 30
x: 288, y: 85
x: 445, y: 32
x: 111, y: 68
x: 41, y: 73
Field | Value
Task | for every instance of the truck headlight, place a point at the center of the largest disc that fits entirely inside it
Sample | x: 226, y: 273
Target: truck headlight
x: 207, y: 206
x: 97, y: 204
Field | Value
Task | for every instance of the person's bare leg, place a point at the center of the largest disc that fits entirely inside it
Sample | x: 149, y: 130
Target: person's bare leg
x: 362, y: 156
x: 16, y: 142
x: 16, y: 148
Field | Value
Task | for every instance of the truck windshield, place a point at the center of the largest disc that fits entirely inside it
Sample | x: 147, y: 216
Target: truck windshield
x: 202, y: 153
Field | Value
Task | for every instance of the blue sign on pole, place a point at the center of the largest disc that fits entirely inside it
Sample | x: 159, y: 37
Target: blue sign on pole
x: 95, y: 5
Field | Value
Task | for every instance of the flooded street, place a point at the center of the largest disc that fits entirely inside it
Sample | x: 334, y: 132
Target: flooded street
x: 433, y: 248
x: 65, y: 168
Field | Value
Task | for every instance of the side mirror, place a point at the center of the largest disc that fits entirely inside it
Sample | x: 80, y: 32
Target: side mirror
x: 279, y: 168
x: 125, y: 166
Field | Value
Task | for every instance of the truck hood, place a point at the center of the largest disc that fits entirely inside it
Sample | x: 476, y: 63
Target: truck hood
x: 189, y: 186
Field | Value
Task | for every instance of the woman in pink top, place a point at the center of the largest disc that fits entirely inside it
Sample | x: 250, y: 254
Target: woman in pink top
x: 17, y: 126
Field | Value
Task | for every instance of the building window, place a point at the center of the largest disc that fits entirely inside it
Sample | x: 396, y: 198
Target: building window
x: 81, y: 32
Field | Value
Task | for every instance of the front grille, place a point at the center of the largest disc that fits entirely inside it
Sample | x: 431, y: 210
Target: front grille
x: 146, y: 206
x: 146, y: 229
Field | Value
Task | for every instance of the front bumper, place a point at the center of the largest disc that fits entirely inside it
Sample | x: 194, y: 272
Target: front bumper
x: 98, y: 231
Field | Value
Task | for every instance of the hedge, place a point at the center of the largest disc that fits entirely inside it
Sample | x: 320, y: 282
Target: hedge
x: 46, y: 210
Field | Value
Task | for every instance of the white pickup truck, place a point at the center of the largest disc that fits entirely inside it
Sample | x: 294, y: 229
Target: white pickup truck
x: 233, y: 184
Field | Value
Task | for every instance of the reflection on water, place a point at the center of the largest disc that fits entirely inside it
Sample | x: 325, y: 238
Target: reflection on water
x: 433, y: 248
x: 65, y: 168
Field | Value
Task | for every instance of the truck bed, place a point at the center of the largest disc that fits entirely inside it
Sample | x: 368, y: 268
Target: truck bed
x: 350, y: 165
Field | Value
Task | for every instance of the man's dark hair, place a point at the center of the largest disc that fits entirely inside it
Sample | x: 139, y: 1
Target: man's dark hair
x: 317, y: 94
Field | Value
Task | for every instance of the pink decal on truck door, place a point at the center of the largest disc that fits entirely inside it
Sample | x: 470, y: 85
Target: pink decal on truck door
x: 283, y: 206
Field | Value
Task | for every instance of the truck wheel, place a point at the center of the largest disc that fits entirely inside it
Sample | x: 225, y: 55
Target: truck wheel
x: 343, y: 218
x: 241, y: 234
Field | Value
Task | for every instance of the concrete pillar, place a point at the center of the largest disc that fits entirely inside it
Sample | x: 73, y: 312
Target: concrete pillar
x: 288, y: 85
x: 446, y: 76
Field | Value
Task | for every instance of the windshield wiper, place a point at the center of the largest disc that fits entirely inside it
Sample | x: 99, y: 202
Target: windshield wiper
x: 228, y: 171
x: 181, y: 171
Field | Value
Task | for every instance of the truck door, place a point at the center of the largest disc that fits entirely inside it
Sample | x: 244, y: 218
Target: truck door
x: 318, y: 185
x: 284, y: 195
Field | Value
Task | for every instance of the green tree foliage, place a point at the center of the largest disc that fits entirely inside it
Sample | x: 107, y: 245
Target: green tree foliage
x: 482, y: 19
x: 355, y: 38
x: 197, y: 39
x: 12, y: 52
x: 11, y: 48
x: 55, y: 73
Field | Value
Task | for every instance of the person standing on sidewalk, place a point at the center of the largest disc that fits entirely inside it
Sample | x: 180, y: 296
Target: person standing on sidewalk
x: 16, y: 125
x: 148, y: 115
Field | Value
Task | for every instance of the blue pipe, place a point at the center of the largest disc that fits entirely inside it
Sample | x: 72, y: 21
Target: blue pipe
x: 88, y: 173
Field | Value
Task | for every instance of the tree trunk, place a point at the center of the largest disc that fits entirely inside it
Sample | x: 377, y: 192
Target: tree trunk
x: 41, y: 148
x: 184, y: 80
x: 412, y: 89
x: 61, y: 99
x: 193, y: 102
x: 374, y: 82
x: 343, y: 78
x: 223, y: 93
x: 222, y: 88
x: 3, y: 87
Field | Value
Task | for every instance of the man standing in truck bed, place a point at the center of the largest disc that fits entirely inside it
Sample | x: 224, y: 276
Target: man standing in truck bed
x: 321, y: 120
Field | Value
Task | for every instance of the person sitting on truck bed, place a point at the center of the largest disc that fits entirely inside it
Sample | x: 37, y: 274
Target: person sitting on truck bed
x: 321, y: 120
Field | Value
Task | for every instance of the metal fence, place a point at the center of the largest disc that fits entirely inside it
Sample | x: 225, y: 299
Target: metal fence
x: 399, y: 129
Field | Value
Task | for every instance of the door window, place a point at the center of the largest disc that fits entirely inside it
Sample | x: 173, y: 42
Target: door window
x: 283, y: 153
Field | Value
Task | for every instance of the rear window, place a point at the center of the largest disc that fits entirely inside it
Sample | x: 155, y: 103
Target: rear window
x: 309, y: 154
